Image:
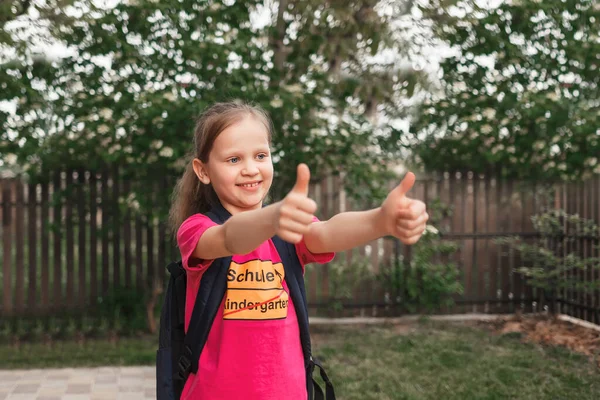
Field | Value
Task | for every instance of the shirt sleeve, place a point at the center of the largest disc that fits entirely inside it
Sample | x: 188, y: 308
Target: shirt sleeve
x: 188, y: 235
x: 306, y: 256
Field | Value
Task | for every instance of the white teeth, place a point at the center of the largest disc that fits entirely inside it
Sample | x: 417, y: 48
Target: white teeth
x: 249, y: 185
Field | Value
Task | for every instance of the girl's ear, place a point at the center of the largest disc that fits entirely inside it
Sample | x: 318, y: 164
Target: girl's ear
x: 200, y: 170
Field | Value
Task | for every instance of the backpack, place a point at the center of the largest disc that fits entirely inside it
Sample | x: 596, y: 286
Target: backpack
x: 177, y: 355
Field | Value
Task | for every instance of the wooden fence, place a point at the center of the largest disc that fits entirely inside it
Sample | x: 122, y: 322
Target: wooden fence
x: 68, y: 254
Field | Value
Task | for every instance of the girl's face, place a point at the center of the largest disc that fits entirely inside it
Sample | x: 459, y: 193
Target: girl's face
x: 239, y: 167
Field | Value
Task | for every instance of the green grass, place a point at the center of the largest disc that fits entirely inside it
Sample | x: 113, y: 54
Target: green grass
x: 450, y: 362
x: 94, y: 353
x: 421, y: 361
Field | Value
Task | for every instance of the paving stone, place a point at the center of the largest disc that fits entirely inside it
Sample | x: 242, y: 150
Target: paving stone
x: 76, y: 389
x: 26, y: 388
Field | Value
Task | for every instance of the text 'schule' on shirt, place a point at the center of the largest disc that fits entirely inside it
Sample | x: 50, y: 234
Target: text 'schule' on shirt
x: 253, y: 350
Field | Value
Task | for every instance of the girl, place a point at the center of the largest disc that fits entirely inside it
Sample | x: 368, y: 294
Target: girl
x: 254, y: 353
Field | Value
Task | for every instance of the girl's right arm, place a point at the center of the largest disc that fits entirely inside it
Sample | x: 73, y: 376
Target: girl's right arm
x: 241, y: 234
x: 245, y: 231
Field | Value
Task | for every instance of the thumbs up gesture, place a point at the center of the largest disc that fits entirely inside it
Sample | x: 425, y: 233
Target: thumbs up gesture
x: 295, y: 212
x: 403, y: 217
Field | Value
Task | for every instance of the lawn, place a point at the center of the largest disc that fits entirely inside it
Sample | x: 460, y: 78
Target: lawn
x: 420, y: 361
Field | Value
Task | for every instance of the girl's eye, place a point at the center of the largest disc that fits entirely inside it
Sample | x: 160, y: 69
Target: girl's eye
x: 234, y: 160
x: 261, y: 156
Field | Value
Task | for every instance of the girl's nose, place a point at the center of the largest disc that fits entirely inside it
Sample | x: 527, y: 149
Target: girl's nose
x: 250, y: 169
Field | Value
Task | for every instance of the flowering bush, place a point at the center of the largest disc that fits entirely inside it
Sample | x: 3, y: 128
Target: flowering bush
x: 551, y: 263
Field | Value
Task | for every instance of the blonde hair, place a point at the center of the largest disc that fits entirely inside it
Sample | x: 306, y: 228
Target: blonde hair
x: 191, y: 196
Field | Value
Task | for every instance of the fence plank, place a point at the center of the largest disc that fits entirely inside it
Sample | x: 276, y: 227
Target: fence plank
x: 32, y: 245
x: 7, y: 235
x: 127, y: 236
x: 311, y: 279
x: 93, y: 199
x: 493, y: 251
x: 81, y: 216
x: 45, y: 264
x: 596, y: 278
x: 482, y: 225
x: 20, y: 249
x: 57, y: 298
x: 468, y: 206
x: 150, y: 251
x: 105, y: 228
x: 503, y: 255
x: 139, y: 262
x: 580, y: 249
x: 519, y: 224
x: 116, y: 227
x: 70, y: 245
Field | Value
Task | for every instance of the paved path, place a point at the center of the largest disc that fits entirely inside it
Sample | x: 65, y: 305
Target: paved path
x: 106, y: 383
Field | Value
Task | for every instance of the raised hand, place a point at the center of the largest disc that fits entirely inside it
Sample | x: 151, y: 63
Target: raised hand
x: 295, y: 212
x: 403, y: 217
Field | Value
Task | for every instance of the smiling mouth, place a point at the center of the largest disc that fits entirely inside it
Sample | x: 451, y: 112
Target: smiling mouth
x: 249, y: 185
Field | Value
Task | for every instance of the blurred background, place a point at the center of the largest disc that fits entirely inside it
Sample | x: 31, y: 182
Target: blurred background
x: 493, y: 104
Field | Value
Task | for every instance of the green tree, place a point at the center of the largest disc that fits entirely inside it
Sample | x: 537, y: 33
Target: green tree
x: 140, y: 72
x: 520, y: 95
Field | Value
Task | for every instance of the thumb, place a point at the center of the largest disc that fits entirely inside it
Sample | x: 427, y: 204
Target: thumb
x: 302, y: 180
x: 406, y: 184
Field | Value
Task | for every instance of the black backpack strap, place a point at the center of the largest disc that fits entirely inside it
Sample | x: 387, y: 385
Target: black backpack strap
x: 210, y: 294
x: 295, y: 282
x: 329, y: 392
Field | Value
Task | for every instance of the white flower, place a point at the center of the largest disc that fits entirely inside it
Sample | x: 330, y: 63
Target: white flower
x: 597, y: 169
x: 487, y: 128
x: 489, y: 113
x: 115, y: 147
x: 295, y: 88
x: 430, y: 229
x: 102, y: 129
x: 276, y: 103
x: 106, y: 113
x: 591, y: 162
x: 121, y: 121
x: 552, y: 96
x: 10, y: 159
x: 169, y: 96
x: 166, y: 152
x: 156, y: 144
x: 511, y: 149
x: 460, y: 86
x: 128, y: 149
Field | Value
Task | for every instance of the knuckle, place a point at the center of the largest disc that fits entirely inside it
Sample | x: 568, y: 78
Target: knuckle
x: 284, y: 211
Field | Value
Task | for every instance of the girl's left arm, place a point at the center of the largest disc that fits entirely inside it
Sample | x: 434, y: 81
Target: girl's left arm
x: 398, y: 216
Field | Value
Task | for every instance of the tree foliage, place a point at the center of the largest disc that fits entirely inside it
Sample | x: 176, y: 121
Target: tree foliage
x: 520, y: 96
x: 139, y: 72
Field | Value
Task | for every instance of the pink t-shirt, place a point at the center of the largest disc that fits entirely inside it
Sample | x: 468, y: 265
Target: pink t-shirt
x: 253, y: 350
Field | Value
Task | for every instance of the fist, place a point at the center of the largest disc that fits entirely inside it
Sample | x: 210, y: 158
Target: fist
x: 403, y: 217
x: 295, y: 212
